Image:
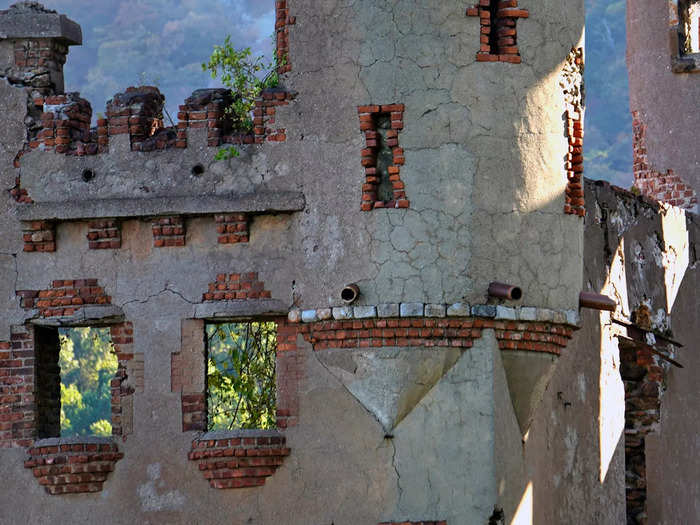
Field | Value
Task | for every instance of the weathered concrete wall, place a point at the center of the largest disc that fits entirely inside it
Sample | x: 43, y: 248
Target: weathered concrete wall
x: 665, y: 100
x: 673, y: 453
x: 410, y: 417
x: 575, y: 449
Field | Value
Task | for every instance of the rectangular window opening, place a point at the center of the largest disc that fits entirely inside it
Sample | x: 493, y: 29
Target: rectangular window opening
x: 241, y: 380
x: 689, y: 14
x: 75, y: 368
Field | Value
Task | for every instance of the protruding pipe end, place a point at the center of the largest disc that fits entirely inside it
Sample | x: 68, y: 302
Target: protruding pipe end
x: 596, y: 301
x: 505, y: 291
x: 350, y: 293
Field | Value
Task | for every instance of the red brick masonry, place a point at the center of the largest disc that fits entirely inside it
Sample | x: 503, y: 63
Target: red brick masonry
x: 456, y: 332
x: 498, y: 35
x: 239, y: 462
x: 73, y: 468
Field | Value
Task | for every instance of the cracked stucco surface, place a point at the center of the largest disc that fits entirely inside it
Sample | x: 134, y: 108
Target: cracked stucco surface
x: 484, y: 148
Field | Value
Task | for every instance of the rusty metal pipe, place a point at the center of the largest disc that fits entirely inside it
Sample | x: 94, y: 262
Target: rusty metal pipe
x: 350, y: 293
x: 505, y: 291
x: 596, y: 301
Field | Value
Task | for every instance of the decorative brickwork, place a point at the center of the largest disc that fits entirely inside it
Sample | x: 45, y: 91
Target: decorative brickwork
x: 391, y: 332
x: 104, y: 235
x: 228, y: 287
x: 382, y: 157
x: 69, y: 468
x: 205, y: 109
x: 64, y: 297
x: 232, y: 228
x: 282, y: 23
x: 65, y: 125
x: 39, y: 236
x: 264, y: 116
x: 498, y: 36
x: 17, y: 401
x: 571, y: 83
x: 643, y: 374
x: 138, y: 112
x: 530, y: 337
x: 238, y: 462
x: 666, y: 187
x: 169, y: 231
x: 188, y: 374
x: 426, y: 332
x: 30, y: 383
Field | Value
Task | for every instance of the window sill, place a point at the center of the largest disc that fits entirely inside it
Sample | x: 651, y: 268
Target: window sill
x: 239, y: 458
x: 689, y: 63
x: 73, y: 465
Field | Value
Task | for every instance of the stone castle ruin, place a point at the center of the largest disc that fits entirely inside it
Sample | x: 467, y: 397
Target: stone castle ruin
x: 468, y: 331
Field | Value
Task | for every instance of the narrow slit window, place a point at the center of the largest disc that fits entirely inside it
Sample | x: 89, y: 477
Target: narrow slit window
x: 241, y: 382
x: 689, y: 11
x: 385, y: 157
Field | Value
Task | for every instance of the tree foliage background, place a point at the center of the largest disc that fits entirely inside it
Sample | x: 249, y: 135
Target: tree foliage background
x: 241, y: 375
x: 88, y: 364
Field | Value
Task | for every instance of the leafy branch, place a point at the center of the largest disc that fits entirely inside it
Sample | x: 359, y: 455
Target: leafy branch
x: 239, y: 71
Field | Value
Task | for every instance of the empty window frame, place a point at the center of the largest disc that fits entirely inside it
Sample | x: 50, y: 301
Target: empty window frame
x: 241, y: 380
x: 74, y: 372
x: 689, y: 26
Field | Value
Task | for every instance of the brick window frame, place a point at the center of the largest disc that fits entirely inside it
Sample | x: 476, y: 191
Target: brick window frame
x: 188, y: 371
x: 243, y: 457
x: 498, y: 37
x: 369, y: 116
x: 127, y: 379
x: 74, y: 464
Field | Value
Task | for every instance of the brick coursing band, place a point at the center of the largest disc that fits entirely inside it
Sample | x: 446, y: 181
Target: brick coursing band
x: 239, y: 462
x: 39, y: 236
x: 64, y: 297
x: 368, y: 125
x: 232, y: 228
x: 73, y: 468
x: 104, y: 234
x: 228, y: 287
x: 168, y: 231
x: 423, y: 332
x: 498, y: 34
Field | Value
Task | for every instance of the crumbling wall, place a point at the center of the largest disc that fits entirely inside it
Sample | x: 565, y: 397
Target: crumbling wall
x: 664, y: 89
x: 398, y: 407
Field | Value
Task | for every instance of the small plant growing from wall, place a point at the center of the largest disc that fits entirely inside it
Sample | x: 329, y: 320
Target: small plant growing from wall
x: 239, y: 71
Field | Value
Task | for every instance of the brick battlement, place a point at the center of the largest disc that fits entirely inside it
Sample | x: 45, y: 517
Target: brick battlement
x: 138, y: 113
